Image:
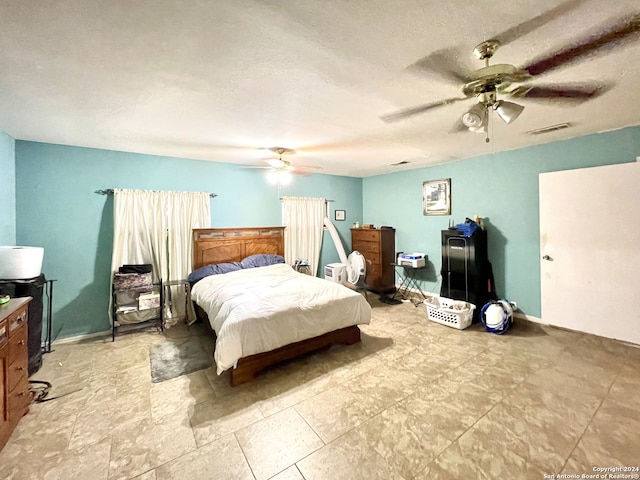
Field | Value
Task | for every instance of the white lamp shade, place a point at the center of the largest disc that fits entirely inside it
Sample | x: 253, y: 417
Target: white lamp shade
x: 272, y: 176
x: 285, y: 178
x: 475, y: 116
x: 508, y: 111
x: 480, y: 129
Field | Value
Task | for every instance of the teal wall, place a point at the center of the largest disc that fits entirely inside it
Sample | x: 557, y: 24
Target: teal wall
x: 56, y: 208
x: 503, y: 189
x: 7, y: 190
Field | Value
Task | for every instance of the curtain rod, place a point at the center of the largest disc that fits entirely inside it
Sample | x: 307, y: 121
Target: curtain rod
x: 282, y: 198
x: 109, y: 191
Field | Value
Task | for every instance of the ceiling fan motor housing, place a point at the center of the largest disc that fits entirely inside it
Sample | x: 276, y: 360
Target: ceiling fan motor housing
x: 493, y: 77
x: 486, y: 49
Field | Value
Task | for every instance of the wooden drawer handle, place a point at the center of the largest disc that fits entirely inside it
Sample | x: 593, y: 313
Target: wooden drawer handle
x: 21, y: 342
x: 20, y: 369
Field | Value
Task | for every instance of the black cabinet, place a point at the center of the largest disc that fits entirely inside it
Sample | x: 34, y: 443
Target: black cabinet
x: 466, y: 270
x: 32, y: 287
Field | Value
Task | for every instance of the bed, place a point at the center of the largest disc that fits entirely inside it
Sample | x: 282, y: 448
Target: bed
x: 267, y: 314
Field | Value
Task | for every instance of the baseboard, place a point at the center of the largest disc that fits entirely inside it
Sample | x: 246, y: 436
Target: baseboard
x: 81, y: 338
x: 530, y: 318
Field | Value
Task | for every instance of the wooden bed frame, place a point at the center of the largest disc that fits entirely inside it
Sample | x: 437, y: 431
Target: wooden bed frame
x: 221, y: 245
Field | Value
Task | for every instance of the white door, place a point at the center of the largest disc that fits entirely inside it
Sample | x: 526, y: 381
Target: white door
x: 590, y: 250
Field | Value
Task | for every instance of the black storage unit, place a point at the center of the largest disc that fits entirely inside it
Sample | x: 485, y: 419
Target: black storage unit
x: 32, y: 287
x: 466, y: 270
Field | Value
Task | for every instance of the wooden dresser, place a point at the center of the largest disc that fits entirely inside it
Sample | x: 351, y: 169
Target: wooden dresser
x: 378, y: 246
x: 15, y: 395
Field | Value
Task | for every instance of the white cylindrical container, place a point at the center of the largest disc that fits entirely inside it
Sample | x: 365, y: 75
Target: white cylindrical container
x: 18, y: 263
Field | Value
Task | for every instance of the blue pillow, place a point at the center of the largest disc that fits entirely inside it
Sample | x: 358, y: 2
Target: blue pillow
x: 213, y: 269
x: 261, y: 260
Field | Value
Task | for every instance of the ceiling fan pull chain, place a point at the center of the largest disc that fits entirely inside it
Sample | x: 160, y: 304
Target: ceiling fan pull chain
x: 489, y: 124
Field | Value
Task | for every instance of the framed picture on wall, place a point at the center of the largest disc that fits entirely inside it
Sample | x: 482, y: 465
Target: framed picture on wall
x: 436, y: 197
x: 341, y: 215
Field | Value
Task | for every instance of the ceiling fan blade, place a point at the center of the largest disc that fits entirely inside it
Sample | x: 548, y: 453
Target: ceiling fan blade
x: 399, y: 115
x: 442, y: 63
x: 308, y: 167
x: 564, y: 93
x: 304, y: 170
x: 623, y: 31
x: 269, y: 164
x: 529, y: 26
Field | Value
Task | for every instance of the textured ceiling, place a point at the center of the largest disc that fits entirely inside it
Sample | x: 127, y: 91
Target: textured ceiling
x: 223, y: 80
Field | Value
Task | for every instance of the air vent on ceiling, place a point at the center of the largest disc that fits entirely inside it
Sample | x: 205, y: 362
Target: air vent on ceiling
x: 403, y: 162
x: 551, y: 128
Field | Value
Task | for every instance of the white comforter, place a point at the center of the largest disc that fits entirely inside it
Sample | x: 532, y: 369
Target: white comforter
x: 260, y: 309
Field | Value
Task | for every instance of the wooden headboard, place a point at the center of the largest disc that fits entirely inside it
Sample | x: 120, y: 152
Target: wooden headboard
x: 221, y: 245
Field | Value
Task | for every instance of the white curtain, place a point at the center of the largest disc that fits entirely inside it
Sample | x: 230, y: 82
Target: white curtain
x: 184, y: 212
x: 304, y: 219
x: 138, y: 230
x: 155, y: 227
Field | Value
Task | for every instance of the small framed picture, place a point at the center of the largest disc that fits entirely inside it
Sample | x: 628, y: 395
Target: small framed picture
x: 341, y: 215
x: 436, y: 197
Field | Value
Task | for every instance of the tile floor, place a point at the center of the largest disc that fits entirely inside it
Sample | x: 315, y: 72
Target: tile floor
x: 414, y: 400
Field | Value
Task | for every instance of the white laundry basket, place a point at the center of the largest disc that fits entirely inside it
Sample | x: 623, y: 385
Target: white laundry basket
x: 453, y: 313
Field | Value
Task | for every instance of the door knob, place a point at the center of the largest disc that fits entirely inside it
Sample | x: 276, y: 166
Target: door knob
x: 547, y: 257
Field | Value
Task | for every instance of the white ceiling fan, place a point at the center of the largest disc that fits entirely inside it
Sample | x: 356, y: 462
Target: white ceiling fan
x: 280, y: 166
x: 490, y: 82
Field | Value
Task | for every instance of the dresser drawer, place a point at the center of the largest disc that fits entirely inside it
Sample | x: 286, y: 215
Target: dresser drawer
x: 19, y: 399
x: 17, y: 343
x: 370, y: 257
x: 372, y: 273
x: 4, y: 333
x: 370, y: 248
x: 17, y: 319
x: 365, y: 235
x: 18, y: 369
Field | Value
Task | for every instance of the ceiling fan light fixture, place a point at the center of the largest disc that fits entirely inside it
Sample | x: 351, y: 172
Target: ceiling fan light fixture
x: 474, y: 118
x: 285, y: 178
x: 279, y: 177
x: 272, y: 177
x: 507, y: 111
x: 480, y: 129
